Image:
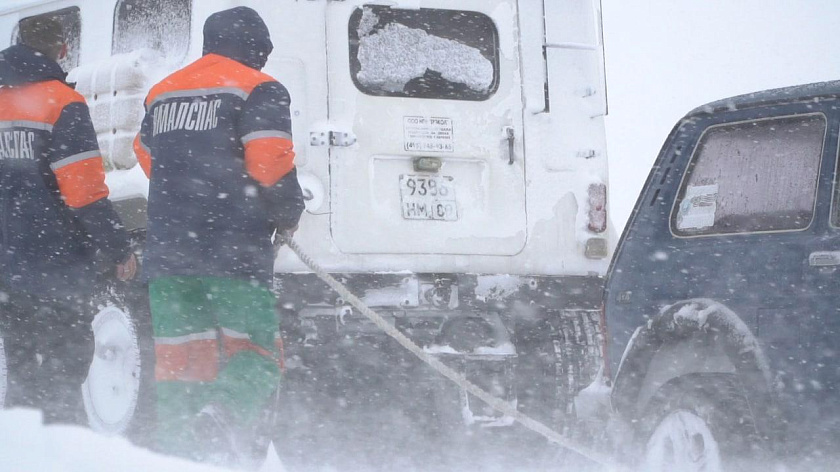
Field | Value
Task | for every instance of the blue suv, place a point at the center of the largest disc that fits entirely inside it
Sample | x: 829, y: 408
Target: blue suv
x: 724, y: 292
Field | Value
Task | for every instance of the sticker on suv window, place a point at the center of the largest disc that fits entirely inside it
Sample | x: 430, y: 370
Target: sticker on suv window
x: 697, y: 208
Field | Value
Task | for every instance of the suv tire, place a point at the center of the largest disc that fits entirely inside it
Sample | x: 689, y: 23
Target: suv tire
x: 700, y: 422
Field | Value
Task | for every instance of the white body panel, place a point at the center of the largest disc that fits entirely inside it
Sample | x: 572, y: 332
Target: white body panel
x: 525, y: 218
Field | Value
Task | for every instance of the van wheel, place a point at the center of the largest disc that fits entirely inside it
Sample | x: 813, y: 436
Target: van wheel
x: 558, y: 358
x: 697, y: 423
x: 118, y: 391
x: 542, y: 376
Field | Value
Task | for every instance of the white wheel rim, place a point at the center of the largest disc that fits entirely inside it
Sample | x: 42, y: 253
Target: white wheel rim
x: 682, y: 441
x: 113, y: 383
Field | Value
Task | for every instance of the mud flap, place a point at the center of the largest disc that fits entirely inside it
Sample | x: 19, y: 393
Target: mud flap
x: 493, y: 373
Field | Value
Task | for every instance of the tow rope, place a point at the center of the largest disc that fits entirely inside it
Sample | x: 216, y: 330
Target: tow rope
x: 444, y: 370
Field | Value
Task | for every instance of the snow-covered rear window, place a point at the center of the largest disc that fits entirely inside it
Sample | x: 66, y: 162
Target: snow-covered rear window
x: 752, y: 177
x: 424, y: 53
x: 70, y: 20
x: 162, y: 25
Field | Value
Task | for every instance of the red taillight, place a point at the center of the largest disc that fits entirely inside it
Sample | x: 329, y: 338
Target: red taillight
x: 597, y: 208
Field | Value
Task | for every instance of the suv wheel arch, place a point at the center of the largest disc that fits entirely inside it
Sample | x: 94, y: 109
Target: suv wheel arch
x: 690, y: 329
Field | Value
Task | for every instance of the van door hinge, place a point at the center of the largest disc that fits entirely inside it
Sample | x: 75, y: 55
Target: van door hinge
x: 332, y: 138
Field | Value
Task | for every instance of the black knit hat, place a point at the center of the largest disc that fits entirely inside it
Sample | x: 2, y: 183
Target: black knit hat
x: 239, y: 34
x: 43, y: 34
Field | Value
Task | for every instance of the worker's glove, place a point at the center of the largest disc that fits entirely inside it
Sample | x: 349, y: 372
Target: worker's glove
x: 128, y: 269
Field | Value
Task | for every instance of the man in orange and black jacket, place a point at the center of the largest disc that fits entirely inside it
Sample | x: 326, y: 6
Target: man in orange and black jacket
x: 216, y: 144
x: 55, y: 220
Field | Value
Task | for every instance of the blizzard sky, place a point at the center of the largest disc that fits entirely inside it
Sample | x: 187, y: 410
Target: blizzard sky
x: 666, y: 57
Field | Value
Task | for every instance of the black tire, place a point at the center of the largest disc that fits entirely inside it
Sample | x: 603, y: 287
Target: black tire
x: 541, y: 381
x: 558, y: 357
x: 700, y: 422
x: 119, y: 391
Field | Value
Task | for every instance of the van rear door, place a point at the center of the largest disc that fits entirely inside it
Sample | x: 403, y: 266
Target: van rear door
x: 425, y: 110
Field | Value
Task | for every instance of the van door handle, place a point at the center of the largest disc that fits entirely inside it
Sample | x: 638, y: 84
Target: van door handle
x: 824, y: 259
x: 510, y: 139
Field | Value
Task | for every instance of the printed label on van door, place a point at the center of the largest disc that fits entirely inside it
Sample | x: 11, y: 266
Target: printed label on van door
x: 428, y: 134
x: 697, y: 208
x: 428, y: 197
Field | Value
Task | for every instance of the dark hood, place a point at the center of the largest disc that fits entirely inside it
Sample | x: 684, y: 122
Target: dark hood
x: 21, y: 65
x: 239, y: 34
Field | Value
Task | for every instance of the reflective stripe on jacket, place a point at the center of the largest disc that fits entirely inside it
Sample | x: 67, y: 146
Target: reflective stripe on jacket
x: 216, y: 143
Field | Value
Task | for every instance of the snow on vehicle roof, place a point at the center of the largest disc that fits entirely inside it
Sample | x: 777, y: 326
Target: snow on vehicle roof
x: 796, y: 93
x: 13, y: 5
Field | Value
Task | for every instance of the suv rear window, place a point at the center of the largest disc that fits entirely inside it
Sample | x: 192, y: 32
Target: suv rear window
x: 162, y: 25
x: 71, y: 22
x: 424, y: 53
x: 751, y: 177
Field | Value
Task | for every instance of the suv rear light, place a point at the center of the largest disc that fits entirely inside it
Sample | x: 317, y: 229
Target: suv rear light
x: 597, y: 208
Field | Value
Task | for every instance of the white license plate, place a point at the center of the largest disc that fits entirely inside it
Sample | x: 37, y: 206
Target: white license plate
x: 428, y: 197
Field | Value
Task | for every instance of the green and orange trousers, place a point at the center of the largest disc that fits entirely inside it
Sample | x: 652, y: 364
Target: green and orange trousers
x: 216, y: 342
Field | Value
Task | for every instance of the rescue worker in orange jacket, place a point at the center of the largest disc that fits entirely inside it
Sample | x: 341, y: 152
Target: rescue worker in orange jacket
x: 216, y: 144
x: 55, y: 220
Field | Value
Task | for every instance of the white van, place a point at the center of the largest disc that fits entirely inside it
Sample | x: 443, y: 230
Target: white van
x: 452, y: 155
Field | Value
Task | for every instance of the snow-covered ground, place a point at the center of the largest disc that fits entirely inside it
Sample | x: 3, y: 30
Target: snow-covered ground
x: 29, y: 446
x: 26, y: 445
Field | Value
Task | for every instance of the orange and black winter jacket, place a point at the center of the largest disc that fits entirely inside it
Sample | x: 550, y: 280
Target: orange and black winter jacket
x: 216, y: 143
x: 54, y: 211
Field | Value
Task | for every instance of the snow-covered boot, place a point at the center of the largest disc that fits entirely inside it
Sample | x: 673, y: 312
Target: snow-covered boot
x: 218, y: 441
